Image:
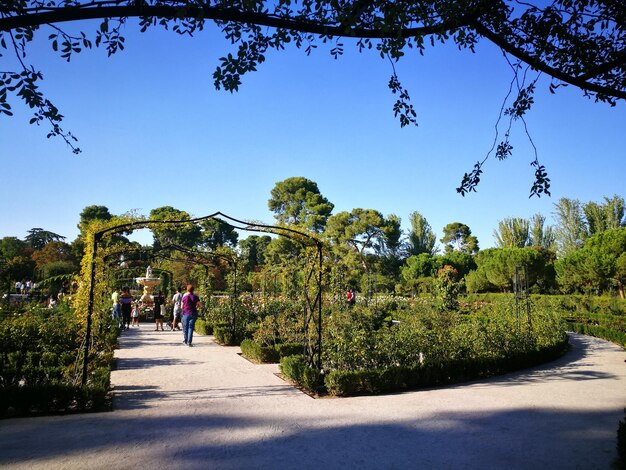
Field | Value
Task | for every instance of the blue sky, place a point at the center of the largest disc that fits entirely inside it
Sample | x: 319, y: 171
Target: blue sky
x: 155, y: 132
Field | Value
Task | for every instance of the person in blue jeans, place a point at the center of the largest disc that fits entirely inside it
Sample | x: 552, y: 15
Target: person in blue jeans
x: 190, y: 303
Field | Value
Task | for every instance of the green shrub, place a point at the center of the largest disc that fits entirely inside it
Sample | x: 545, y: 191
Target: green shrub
x: 269, y: 354
x: 201, y: 327
x: 296, y: 370
x: 289, y: 349
x: 257, y: 353
x: 349, y: 383
x: 398, y: 378
x: 279, y: 323
x: 603, y: 332
x: 102, y: 378
x: 52, y: 399
x: 225, y: 336
x: 38, y: 352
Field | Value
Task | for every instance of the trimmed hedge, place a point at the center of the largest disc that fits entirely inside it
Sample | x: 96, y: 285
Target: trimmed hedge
x: 225, y: 336
x: 268, y: 354
x: 59, y: 398
x: 394, y: 379
x: 202, y: 327
x: 257, y: 353
x: 598, y: 331
x: 296, y: 370
x: 289, y: 349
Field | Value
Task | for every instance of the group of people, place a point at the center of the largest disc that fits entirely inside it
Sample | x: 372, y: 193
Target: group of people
x: 184, y: 311
x: 25, y: 287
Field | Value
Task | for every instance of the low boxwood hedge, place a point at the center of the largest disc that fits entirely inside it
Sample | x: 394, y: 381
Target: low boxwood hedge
x: 605, y: 332
x: 268, y: 354
x: 296, y: 369
x: 257, y: 353
x: 392, y: 379
x: 56, y: 398
x: 202, y: 327
x: 226, y: 336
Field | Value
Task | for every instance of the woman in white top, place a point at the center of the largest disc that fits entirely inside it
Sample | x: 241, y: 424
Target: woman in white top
x: 178, y: 308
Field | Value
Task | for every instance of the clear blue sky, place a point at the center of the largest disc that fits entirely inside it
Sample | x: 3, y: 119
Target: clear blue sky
x: 155, y: 132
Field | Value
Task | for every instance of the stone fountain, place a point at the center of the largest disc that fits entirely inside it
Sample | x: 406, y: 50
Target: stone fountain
x: 149, y: 283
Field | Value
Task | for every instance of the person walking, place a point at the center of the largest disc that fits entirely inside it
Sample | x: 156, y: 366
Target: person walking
x: 178, y: 308
x: 159, y: 304
x: 117, y: 308
x: 126, y: 301
x: 190, y: 303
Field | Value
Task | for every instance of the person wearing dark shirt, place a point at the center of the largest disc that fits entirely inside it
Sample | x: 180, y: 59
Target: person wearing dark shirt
x: 125, y: 300
x: 159, y: 301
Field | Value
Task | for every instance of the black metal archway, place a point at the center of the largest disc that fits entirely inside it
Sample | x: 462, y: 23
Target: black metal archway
x: 312, y: 314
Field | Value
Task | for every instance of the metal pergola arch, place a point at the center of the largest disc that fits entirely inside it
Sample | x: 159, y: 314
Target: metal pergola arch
x: 312, y: 303
x: 153, y: 254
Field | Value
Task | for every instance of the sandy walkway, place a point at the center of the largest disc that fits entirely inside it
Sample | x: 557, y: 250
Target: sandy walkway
x: 208, y: 408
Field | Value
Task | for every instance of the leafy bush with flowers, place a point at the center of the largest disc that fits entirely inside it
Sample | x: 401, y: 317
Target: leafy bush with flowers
x: 426, y: 346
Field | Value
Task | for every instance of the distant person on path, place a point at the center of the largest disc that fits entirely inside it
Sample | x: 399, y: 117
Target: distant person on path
x: 18, y: 287
x: 126, y: 302
x: 117, y: 308
x: 159, y: 304
x: 135, y: 315
x: 190, y: 303
x: 351, y: 297
x: 178, y: 308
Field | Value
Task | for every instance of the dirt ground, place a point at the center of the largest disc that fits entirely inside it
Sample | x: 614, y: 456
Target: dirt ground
x: 207, y: 407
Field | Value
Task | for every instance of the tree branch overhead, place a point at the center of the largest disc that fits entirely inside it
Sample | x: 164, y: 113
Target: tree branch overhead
x: 575, y: 42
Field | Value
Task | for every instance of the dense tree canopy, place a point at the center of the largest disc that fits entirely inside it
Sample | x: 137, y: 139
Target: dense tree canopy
x: 599, y: 264
x: 38, y: 237
x: 512, y: 233
x: 422, y: 239
x: 496, y: 268
x: 15, y: 260
x: 605, y: 215
x: 362, y: 247
x: 542, y: 234
x: 298, y: 201
x: 579, y: 43
x: 458, y: 236
x: 570, y: 228
x: 187, y: 235
x: 216, y: 233
x: 253, y: 249
x: 576, y: 221
x: 90, y: 213
x: 53, y: 252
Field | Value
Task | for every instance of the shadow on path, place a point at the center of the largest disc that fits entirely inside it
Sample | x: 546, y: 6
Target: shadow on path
x: 577, y: 364
x: 268, y: 425
x: 511, y: 439
x: 138, y: 397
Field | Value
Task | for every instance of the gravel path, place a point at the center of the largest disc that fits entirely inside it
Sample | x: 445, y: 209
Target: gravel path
x: 207, y: 407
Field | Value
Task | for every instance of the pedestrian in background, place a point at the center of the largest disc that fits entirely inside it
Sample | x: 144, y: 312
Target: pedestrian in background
x: 126, y: 302
x: 191, y: 303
